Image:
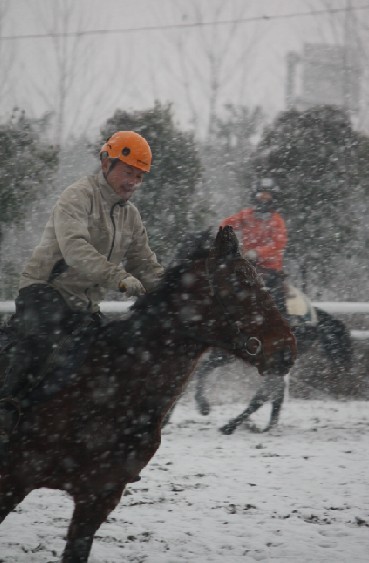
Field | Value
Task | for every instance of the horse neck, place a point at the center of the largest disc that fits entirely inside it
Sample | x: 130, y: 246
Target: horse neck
x: 159, y: 352
x: 164, y: 331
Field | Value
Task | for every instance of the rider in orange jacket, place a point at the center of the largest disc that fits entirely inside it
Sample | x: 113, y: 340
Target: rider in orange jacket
x: 263, y: 235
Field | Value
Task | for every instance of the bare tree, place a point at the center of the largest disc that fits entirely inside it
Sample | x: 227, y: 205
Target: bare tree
x: 7, y: 53
x: 71, y: 76
x: 212, y: 59
x: 69, y: 64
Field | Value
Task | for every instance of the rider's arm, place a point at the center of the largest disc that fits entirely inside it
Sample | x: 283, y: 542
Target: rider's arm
x: 236, y: 221
x: 140, y: 260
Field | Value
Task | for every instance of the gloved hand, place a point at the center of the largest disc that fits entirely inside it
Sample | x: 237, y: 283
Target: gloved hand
x: 251, y: 255
x: 131, y: 286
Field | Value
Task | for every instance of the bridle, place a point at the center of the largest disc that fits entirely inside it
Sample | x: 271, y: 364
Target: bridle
x: 249, y: 344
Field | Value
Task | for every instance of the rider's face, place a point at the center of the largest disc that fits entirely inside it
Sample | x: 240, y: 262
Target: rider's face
x: 264, y: 202
x: 264, y: 197
x: 124, y: 179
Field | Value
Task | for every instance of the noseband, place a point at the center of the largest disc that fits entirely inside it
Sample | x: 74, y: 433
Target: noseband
x: 249, y: 344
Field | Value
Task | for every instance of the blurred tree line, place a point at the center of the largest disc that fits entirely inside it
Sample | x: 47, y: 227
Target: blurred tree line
x: 319, y: 161
x: 27, y: 164
x: 27, y: 167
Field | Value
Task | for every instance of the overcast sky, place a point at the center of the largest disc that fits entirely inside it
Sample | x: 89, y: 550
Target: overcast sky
x: 131, y: 67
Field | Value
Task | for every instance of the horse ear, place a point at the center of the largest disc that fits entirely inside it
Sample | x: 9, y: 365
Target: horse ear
x: 226, y: 243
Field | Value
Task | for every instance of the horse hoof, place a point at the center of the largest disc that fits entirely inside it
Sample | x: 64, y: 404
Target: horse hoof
x: 227, y: 429
x: 203, y: 407
x: 269, y: 427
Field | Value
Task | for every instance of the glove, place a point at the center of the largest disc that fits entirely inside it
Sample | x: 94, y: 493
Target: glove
x: 251, y: 255
x: 131, y: 286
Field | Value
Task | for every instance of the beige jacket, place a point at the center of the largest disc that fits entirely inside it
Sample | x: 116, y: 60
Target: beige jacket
x: 90, y: 232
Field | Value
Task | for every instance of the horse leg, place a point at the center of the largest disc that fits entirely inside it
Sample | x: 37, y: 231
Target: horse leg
x: 88, y: 515
x: 213, y: 361
x: 274, y: 415
x: 256, y: 402
x: 276, y: 387
x: 11, y: 494
x: 336, y: 340
x: 203, y: 405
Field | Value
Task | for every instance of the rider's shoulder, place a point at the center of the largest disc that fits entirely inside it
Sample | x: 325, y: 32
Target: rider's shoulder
x: 86, y: 183
x: 84, y: 186
x: 81, y: 194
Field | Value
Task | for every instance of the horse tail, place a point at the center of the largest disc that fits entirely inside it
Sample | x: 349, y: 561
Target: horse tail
x: 336, y: 340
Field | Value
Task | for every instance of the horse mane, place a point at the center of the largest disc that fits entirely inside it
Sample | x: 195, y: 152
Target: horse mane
x: 192, y: 247
x: 195, y: 246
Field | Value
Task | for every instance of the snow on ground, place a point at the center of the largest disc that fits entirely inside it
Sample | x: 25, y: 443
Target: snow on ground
x: 298, y: 494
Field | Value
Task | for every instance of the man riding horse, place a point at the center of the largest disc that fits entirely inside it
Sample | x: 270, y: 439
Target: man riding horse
x: 91, y: 230
x: 263, y: 236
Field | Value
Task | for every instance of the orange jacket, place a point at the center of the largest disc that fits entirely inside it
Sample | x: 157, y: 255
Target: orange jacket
x: 268, y: 237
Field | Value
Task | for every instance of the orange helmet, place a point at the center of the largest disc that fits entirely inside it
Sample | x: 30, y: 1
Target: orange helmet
x: 129, y: 147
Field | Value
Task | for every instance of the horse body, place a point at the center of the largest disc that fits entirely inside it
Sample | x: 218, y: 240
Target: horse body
x: 95, y: 436
x: 106, y: 431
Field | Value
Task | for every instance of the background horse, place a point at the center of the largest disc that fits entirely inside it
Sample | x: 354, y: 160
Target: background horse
x: 93, y: 437
x: 310, y: 325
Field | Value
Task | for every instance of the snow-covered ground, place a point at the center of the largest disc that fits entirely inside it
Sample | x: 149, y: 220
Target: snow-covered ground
x: 299, y: 494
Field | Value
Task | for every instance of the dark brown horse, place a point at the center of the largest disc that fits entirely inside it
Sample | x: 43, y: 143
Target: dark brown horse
x: 95, y: 436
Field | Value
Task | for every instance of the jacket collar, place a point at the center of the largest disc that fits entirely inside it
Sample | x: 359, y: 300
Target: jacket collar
x: 107, y: 191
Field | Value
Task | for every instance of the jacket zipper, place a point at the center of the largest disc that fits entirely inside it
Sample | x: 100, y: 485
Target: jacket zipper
x: 114, y: 227
x: 111, y: 214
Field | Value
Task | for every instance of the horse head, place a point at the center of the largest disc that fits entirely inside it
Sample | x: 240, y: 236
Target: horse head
x: 225, y: 304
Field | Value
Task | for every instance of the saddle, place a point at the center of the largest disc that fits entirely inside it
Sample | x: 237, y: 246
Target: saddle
x: 59, y: 369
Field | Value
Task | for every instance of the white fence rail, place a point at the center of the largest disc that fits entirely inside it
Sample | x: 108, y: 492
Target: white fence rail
x: 346, y: 308
x: 106, y: 306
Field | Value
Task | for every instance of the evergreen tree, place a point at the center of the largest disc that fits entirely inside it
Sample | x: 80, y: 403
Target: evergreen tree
x: 167, y: 199
x: 27, y: 162
x: 319, y: 163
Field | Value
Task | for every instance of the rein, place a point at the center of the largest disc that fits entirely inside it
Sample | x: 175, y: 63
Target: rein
x: 250, y: 344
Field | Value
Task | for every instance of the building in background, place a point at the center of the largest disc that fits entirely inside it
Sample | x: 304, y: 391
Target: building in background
x: 323, y: 74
